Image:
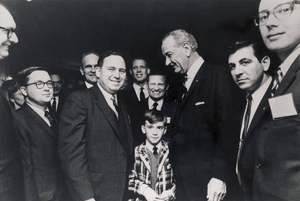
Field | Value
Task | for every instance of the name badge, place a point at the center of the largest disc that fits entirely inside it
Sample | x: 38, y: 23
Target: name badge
x: 282, y: 106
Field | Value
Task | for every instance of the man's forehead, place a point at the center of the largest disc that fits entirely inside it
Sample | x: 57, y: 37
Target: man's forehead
x: 168, y: 44
x: 156, y: 78
x: 90, y: 58
x: 114, y: 60
x: 270, y: 4
x: 6, y: 19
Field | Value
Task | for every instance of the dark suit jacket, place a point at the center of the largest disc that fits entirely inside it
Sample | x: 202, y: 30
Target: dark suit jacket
x: 10, y: 164
x: 277, y: 159
x: 205, y: 131
x: 130, y: 97
x: 246, y: 154
x: 168, y: 109
x: 94, y: 147
x: 43, y: 178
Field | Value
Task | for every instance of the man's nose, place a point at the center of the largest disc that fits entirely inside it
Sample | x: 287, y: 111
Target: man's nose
x: 168, y: 61
x: 14, y: 38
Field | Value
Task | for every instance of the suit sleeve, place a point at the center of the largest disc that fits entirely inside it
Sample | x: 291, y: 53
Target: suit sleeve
x: 72, y: 147
x: 227, y: 103
x: 30, y: 187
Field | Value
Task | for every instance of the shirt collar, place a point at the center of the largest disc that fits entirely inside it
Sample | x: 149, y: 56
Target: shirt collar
x: 193, y: 71
x: 107, y: 95
x: 286, y: 64
x: 137, y: 87
x: 260, y: 92
x: 150, y: 146
x: 151, y: 101
x: 88, y: 85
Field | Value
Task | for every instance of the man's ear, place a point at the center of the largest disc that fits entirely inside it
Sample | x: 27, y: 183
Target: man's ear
x: 12, y: 100
x: 148, y: 71
x: 165, y: 130
x: 187, y: 49
x: 23, y: 90
x: 81, y: 70
x: 130, y: 71
x: 143, y: 129
x: 167, y: 87
x: 266, y: 62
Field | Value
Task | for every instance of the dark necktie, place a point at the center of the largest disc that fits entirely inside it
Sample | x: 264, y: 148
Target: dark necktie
x: 247, y: 116
x: 53, y: 124
x: 277, y: 81
x: 155, y: 104
x: 155, y: 153
x: 54, y: 103
x: 113, y: 98
x: 142, y: 95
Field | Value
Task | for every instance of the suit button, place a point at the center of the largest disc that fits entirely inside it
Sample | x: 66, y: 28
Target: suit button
x: 258, y: 165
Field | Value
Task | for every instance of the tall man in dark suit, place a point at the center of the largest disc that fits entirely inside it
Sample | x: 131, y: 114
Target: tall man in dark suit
x: 10, y: 170
x: 249, y: 65
x: 95, y: 136
x: 157, y: 86
x: 277, y: 159
x: 37, y: 131
x: 202, y: 136
x: 89, y: 63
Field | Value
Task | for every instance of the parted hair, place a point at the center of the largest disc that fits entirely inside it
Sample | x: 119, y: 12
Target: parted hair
x: 181, y: 36
x: 22, y: 76
x: 154, y: 116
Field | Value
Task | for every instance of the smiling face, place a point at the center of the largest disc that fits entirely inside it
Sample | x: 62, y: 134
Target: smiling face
x: 281, y: 36
x: 154, y: 132
x: 157, y: 86
x: 139, y: 70
x: 7, y: 22
x: 112, y: 74
x: 38, y: 97
x: 246, y: 70
x: 175, y: 55
x: 89, y: 68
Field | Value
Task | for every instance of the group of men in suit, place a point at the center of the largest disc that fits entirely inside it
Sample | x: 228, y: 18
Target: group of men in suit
x: 209, y: 129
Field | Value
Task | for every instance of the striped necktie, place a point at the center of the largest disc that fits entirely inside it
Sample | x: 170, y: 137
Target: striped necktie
x: 277, y: 81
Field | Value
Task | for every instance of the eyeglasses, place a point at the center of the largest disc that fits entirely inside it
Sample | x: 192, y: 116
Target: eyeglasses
x: 9, y: 32
x: 281, y: 12
x: 41, y: 84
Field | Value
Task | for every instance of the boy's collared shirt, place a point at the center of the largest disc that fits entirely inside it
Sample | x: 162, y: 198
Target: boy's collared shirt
x: 150, y: 146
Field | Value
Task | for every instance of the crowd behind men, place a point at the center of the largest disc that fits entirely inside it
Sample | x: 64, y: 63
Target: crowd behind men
x: 219, y: 137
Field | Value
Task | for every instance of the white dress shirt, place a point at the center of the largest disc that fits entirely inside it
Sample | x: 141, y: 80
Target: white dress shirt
x: 192, y: 72
x: 286, y: 64
x: 108, y: 99
x: 159, y: 103
x: 39, y: 111
x: 137, y: 90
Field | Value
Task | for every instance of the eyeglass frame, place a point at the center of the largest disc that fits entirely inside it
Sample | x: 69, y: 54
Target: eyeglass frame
x: 44, y: 83
x: 291, y: 3
x: 9, y: 32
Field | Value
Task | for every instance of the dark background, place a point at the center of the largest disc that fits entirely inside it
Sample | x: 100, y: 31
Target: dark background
x: 54, y: 33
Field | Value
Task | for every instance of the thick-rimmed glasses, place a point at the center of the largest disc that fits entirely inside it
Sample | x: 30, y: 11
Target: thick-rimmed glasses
x: 9, y: 32
x: 281, y: 12
x: 41, y: 84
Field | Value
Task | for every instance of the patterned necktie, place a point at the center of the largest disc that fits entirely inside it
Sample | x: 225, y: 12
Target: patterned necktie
x: 155, y: 104
x: 54, y: 103
x: 142, y: 95
x: 247, y: 116
x: 155, y: 153
x: 113, y: 98
x: 277, y: 81
x: 53, y: 124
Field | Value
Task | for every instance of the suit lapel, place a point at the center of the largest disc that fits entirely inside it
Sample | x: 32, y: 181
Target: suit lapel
x: 261, y: 109
x: 144, y: 156
x: 289, y: 77
x: 198, y: 81
x: 106, y: 110
x: 37, y: 120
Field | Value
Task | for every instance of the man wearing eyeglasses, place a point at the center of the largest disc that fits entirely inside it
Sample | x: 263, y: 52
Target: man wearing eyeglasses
x: 10, y: 171
x: 277, y: 173
x: 37, y: 131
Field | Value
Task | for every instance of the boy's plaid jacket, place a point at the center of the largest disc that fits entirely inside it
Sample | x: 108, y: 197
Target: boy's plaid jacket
x: 141, y: 173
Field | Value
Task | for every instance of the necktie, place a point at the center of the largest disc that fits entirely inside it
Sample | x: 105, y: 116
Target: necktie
x: 155, y: 153
x: 142, y: 95
x: 155, y: 104
x: 277, y: 81
x: 52, y: 121
x: 113, y: 98
x: 54, y: 103
x: 247, y: 116
x: 184, y: 92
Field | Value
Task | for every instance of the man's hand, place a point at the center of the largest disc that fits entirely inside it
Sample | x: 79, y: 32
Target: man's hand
x: 216, y: 190
x: 91, y: 199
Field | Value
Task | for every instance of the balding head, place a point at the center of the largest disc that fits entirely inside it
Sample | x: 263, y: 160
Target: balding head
x: 7, y: 31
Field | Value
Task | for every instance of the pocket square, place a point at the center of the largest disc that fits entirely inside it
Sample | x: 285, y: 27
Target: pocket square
x: 200, y: 103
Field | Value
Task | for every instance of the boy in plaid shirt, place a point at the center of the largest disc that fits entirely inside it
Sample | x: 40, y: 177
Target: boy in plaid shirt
x: 152, y: 175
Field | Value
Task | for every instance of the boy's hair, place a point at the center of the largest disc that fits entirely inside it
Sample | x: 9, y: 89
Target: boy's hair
x: 154, y: 116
